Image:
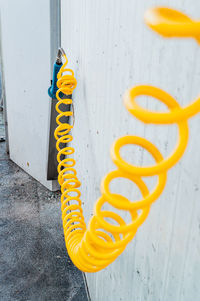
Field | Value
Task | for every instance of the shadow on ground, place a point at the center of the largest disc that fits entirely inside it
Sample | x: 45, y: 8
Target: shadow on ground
x: 34, y: 264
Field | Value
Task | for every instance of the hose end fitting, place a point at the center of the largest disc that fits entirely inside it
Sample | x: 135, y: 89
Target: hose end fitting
x: 56, y: 68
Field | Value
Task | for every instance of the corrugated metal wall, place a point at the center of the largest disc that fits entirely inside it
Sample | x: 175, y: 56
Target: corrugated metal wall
x: 111, y: 49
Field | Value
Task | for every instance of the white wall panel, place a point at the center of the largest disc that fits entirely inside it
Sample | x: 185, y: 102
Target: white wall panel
x: 25, y: 27
x: 111, y: 49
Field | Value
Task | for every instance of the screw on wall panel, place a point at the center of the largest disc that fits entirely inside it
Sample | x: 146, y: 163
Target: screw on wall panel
x: 2, y: 139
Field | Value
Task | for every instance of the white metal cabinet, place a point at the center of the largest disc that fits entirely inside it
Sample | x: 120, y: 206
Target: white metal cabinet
x: 25, y: 30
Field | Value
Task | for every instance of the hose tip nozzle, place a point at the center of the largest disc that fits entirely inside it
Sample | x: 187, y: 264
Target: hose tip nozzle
x: 60, y: 54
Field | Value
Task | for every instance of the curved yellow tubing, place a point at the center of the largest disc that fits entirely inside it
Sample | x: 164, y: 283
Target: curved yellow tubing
x: 93, y: 248
x: 172, y: 23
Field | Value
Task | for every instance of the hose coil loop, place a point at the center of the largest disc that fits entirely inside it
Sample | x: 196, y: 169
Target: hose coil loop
x: 92, y: 249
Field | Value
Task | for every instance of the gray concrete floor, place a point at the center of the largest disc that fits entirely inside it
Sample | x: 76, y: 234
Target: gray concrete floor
x: 34, y: 264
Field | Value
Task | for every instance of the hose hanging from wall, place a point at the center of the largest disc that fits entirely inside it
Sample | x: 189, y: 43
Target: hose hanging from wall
x: 92, y: 249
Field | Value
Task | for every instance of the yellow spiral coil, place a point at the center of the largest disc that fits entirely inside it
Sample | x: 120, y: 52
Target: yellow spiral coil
x: 92, y: 249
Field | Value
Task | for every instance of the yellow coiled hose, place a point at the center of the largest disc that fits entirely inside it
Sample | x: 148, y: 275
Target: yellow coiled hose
x: 92, y: 249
